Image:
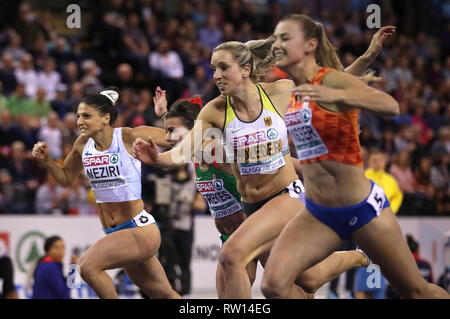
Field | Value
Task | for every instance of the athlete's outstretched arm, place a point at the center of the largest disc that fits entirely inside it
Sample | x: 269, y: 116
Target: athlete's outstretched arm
x: 184, y: 151
x: 72, y: 166
x: 157, y: 134
x: 360, y: 65
x: 347, y: 92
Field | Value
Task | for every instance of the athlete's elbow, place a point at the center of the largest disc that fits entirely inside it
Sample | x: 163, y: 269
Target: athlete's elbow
x: 391, y: 107
x: 395, y: 108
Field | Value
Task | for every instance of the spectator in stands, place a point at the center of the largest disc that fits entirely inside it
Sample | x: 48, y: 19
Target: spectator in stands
x: 49, y: 197
x: 40, y: 107
x: 167, y: 67
x: 7, y: 289
x: 9, y: 132
x: 376, y: 172
x: 144, y: 110
x: 152, y: 33
x: 7, y: 74
x: 27, y: 75
x: 434, y: 118
x: 49, y: 280
x: 136, y: 48
x: 71, y: 74
x: 49, y: 79
x: 426, y: 133
x: 90, y: 80
x: 61, y: 53
x: 29, y: 128
x: 181, y: 212
x: 3, y: 99
x: 59, y: 104
x: 69, y: 129
x: 125, y: 77
x: 75, y: 97
x: 39, y: 51
x: 6, y: 192
x: 388, y: 75
x: 19, y: 103
x: 402, y: 71
x: 51, y: 134
x: 24, y: 183
x: 210, y: 35
x: 199, y: 84
x: 166, y: 61
x: 15, y: 48
x: 74, y: 199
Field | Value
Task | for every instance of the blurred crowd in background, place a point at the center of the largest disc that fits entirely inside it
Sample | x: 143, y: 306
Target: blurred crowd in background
x: 46, y: 69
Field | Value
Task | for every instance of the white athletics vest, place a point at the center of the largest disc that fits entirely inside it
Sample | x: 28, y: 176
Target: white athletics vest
x: 115, y: 175
x: 258, y: 146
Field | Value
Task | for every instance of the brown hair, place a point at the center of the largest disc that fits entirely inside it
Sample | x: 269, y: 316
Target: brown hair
x: 326, y: 53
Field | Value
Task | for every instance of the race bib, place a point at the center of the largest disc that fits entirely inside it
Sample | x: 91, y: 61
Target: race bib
x: 103, y: 171
x: 257, y: 151
x: 377, y: 198
x: 307, y: 141
x: 220, y: 201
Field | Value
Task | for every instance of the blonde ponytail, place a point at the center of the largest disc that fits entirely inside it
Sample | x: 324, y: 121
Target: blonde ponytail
x: 257, y: 53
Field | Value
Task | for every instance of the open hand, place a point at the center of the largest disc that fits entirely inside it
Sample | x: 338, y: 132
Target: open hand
x: 146, y: 152
x: 160, y: 102
x: 317, y: 93
x: 378, y: 39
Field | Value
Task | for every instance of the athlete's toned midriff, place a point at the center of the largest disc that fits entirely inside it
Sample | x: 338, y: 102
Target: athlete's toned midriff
x: 113, y: 214
x: 257, y: 187
x: 334, y: 184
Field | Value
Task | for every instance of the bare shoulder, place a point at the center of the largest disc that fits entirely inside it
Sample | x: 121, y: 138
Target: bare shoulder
x: 127, y: 135
x: 79, y: 144
x: 214, y: 111
x: 282, y: 86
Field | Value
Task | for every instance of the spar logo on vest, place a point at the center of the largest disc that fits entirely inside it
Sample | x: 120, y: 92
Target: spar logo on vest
x: 210, y: 186
x: 257, y: 146
x: 103, y: 171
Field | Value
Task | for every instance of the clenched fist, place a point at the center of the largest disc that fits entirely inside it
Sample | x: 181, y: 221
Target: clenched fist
x: 41, y: 152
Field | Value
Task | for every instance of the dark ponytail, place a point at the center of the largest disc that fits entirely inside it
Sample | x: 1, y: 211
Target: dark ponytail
x: 105, y: 102
x: 186, y: 110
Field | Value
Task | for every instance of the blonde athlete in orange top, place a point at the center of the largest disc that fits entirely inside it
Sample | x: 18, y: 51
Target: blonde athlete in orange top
x: 340, y: 201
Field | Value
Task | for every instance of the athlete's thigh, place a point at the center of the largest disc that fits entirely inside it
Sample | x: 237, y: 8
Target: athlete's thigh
x: 256, y: 234
x: 382, y: 240
x: 125, y: 246
x: 304, y: 242
x: 149, y: 275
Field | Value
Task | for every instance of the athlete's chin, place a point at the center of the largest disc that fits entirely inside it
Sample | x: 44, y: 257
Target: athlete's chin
x: 282, y: 64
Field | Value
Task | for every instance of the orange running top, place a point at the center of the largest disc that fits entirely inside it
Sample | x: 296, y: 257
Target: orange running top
x: 319, y: 134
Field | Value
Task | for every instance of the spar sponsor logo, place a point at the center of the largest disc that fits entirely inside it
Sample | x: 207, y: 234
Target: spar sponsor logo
x: 205, y: 187
x: 249, y: 139
x: 293, y: 118
x: 96, y: 160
